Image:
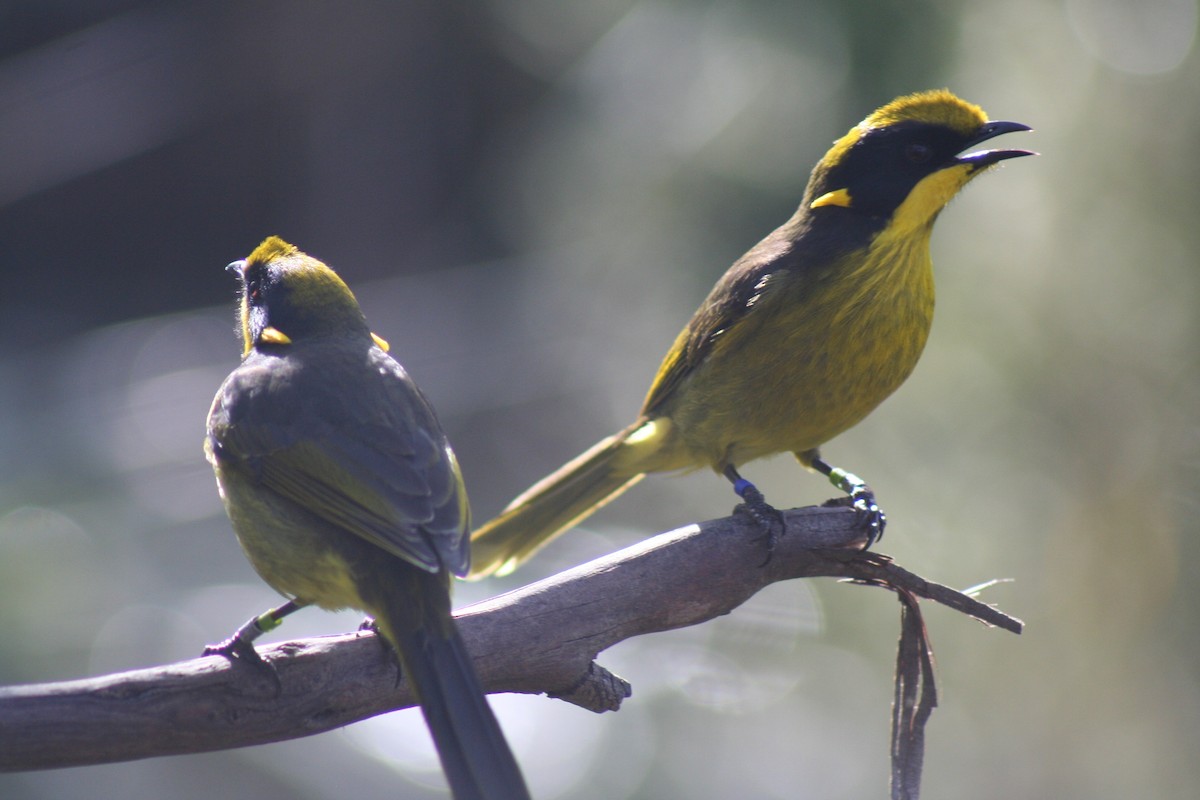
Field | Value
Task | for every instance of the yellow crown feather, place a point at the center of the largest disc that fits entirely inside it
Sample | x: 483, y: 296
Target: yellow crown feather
x: 936, y: 107
x: 271, y: 248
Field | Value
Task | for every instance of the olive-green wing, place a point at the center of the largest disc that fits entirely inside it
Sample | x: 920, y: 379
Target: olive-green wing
x: 369, y: 458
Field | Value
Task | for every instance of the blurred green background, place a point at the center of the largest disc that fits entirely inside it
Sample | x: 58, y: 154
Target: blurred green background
x: 530, y: 197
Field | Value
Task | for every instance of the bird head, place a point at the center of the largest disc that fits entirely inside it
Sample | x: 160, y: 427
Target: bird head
x: 288, y: 296
x: 902, y: 164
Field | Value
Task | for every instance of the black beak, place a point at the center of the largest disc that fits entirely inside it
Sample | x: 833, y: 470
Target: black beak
x: 237, y: 268
x: 985, y: 158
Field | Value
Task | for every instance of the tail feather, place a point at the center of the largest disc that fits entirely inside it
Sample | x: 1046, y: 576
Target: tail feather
x: 550, y: 507
x: 474, y: 753
x: 412, y: 609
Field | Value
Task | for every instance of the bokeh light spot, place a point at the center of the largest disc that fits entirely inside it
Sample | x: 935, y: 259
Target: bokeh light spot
x: 1147, y: 38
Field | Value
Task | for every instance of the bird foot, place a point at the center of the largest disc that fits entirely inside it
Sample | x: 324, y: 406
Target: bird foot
x: 372, y: 625
x: 860, y: 497
x: 755, y: 506
x: 239, y: 650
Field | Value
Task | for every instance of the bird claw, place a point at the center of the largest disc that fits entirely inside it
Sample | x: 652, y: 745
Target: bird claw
x: 870, y: 515
x: 371, y: 624
x: 239, y: 650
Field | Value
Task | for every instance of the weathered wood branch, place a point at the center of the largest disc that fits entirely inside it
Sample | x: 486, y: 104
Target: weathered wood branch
x: 542, y: 638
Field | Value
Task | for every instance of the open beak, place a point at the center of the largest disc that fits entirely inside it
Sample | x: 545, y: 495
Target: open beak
x: 985, y: 158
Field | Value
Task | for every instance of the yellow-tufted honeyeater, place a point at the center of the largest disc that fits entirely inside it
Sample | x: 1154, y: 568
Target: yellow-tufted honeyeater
x: 344, y: 493
x: 800, y: 339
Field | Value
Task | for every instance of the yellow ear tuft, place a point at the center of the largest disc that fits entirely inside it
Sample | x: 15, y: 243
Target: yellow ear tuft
x: 838, y: 197
x: 381, y: 342
x: 272, y: 335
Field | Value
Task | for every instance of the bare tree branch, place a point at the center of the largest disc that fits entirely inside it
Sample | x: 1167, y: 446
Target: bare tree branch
x: 542, y: 638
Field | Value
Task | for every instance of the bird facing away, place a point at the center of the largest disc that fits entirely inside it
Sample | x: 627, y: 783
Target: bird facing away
x: 799, y: 340
x: 344, y: 493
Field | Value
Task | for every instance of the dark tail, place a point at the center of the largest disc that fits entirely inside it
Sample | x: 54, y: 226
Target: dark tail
x: 475, y: 756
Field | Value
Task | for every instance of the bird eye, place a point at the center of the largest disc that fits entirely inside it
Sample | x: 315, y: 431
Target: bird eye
x: 918, y: 153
